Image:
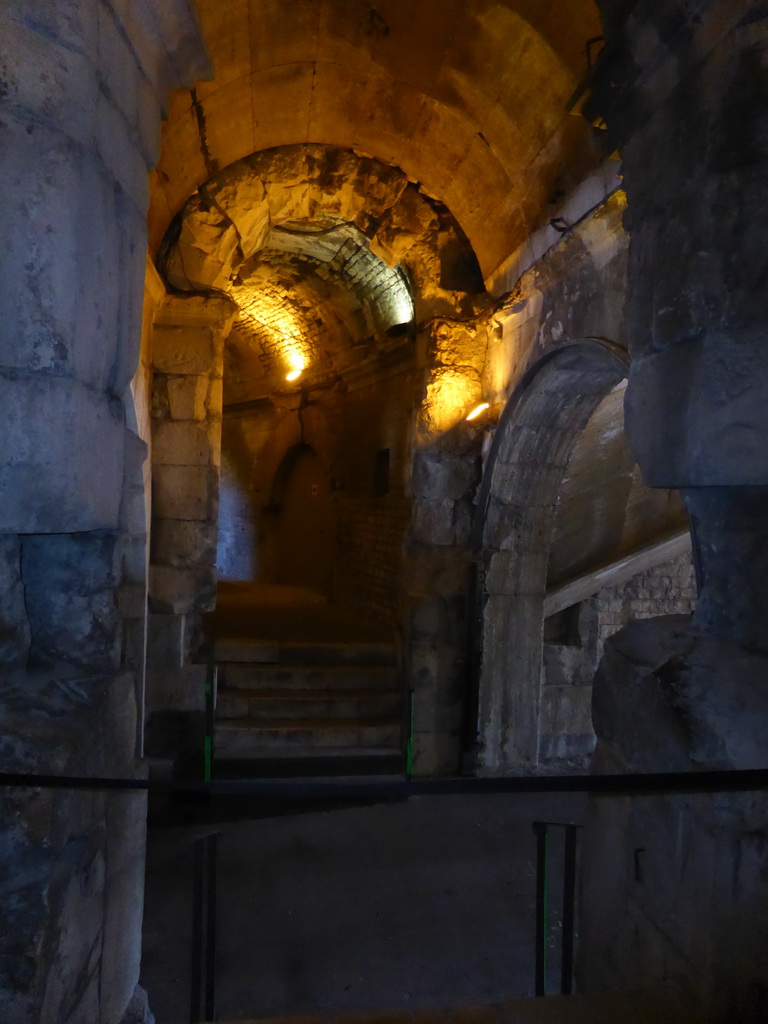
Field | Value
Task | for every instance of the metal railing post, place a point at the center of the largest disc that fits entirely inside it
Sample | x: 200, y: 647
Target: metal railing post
x: 540, y: 831
x: 202, y: 1002
x: 569, y: 910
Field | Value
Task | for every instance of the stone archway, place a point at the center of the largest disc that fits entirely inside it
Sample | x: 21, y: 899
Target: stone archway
x: 532, y: 444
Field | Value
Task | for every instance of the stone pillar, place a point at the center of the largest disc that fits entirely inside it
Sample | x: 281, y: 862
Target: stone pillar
x: 675, y: 888
x: 446, y: 472
x: 82, y: 90
x: 187, y: 400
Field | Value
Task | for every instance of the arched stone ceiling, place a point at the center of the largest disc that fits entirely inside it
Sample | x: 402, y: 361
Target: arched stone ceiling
x: 468, y: 97
x: 314, y: 298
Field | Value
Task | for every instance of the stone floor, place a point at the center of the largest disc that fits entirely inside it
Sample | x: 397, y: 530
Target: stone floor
x: 413, y: 905
x: 594, y: 1008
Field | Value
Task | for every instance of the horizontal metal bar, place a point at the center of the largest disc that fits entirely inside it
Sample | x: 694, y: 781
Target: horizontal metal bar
x: 670, y: 783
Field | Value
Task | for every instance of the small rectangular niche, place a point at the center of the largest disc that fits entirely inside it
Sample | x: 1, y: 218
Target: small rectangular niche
x: 381, y: 473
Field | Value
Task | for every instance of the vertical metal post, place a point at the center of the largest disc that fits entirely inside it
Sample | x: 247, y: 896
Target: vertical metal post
x: 202, y: 1003
x: 569, y: 909
x: 409, y: 741
x: 210, y: 944
x: 540, y: 831
x: 198, y: 910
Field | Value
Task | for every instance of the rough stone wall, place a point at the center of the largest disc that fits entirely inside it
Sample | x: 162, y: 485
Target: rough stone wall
x: 682, y: 88
x: 187, y: 396
x: 346, y: 427
x: 673, y: 888
x: 666, y: 589
x: 568, y: 668
x: 82, y: 88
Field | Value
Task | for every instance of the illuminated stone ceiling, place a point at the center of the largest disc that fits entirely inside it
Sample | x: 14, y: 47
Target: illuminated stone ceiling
x: 468, y: 97
x: 315, y: 300
x: 330, y: 257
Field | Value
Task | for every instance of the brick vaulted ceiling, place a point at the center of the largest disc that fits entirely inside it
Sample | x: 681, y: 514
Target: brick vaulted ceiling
x: 467, y: 97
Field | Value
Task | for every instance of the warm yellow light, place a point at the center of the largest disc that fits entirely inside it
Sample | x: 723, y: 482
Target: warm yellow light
x: 477, y: 410
x: 293, y: 375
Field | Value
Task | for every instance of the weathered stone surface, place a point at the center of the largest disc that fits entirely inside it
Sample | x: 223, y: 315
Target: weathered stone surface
x: 434, y: 523
x: 184, y: 493
x: 428, y: 571
x: 707, y: 394
x: 14, y: 624
x: 565, y: 723
x: 53, y: 479
x: 187, y: 396
x: 730, y: 537
x: 448, y: 477
x: 180, y: 689
x: 138, y: 1011
x: 180, y: 444
x: 166, y: 640
x: 669, y: 698
x: 669, y: 882
x: 62, y: 721
x: 183, y: 349
x: 178, y: 591
x: 435, y: 753
x: 70, y: 582
x: 183, y: 544
x: 126, y: 834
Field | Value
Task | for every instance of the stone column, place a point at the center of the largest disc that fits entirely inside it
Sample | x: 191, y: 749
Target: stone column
x: 684, y: 90
x: 445, y: 475
x: 83, y: 85
x: 188, y: 360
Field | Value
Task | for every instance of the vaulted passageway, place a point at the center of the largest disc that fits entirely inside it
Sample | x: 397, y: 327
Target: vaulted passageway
x: 534, y: 187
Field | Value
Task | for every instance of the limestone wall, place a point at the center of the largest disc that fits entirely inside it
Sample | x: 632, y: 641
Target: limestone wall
x: 568, y: 666
x: 347, y: 428
x: 83, y: 88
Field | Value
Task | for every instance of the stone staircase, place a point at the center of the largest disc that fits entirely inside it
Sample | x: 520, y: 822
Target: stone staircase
x: 336, y: 705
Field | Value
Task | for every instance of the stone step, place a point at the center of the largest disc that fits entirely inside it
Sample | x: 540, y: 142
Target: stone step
x: 243, y: 738
x: 365, y: 652
x: 255, y: 676
x: 267, y: 704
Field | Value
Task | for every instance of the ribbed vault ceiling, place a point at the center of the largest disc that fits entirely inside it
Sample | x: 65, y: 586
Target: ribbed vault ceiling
x: 468, y: 97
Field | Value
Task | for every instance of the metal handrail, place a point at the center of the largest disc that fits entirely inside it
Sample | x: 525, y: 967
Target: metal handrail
x: 670, y: 783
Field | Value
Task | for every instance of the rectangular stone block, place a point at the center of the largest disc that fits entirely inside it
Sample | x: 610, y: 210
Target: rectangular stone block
x: 14, y: 625
x: 187, y: 397
x: 182, y: 689
x: 179, y: 591
x: 166, y: 638
x: 182, y: 349
x: 183, y: 543
x: 61, y: 457
x: 216, y: 397
x: 183, y: 492
x: 126, y: 816
x: 180, y: 444
x: 69, y: 584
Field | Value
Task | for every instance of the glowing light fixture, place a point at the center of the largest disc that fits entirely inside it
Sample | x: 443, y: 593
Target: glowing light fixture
x: 477, y: 410
x: 294, y: 374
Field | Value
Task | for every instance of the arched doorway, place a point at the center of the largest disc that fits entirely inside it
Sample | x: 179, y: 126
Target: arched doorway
x: 516, y: 511
x: 304, y: 522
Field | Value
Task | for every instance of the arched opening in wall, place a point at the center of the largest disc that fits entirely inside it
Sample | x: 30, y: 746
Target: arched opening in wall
x: 516, y: 510
x: 340, y: 275
x: 620, y: 550
x: 303, y: 523
x: 574, y: 545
